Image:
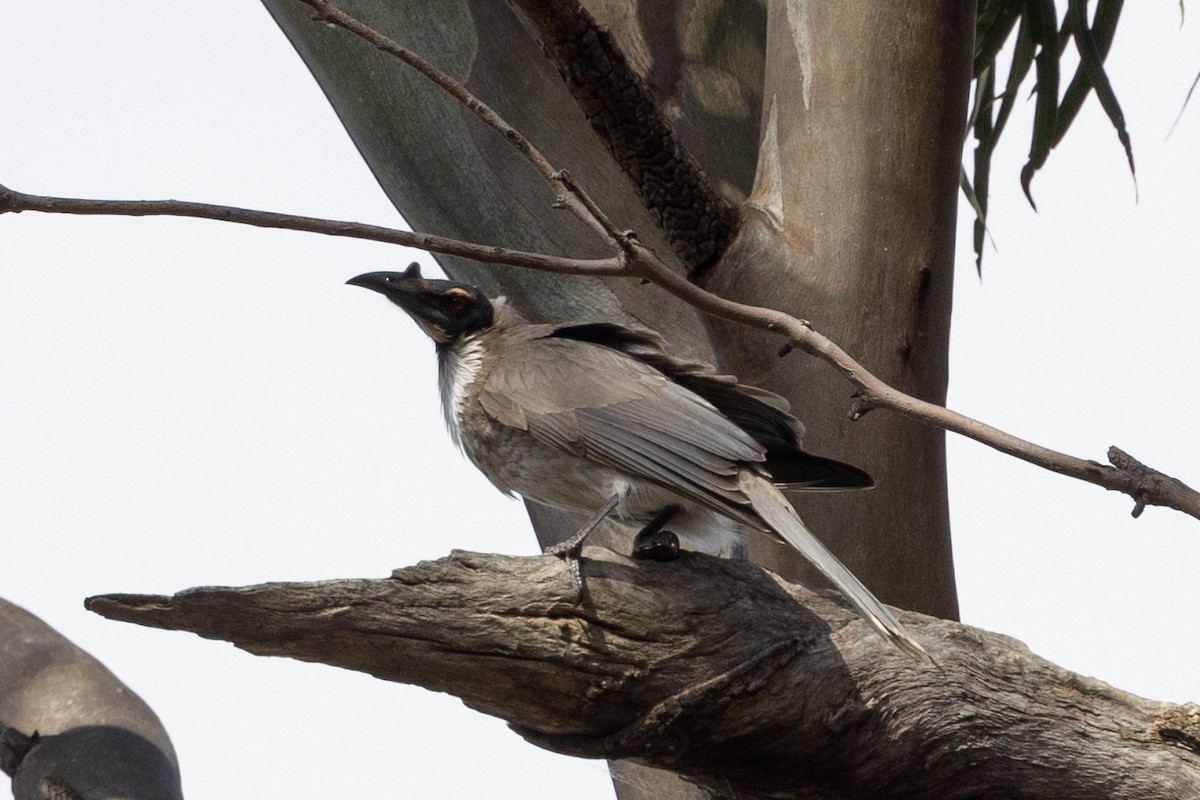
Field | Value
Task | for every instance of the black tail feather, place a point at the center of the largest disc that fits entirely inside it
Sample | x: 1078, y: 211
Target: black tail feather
x: 795, y: 469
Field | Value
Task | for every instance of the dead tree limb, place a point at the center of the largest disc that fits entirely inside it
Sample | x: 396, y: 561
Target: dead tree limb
x: 744, y: 684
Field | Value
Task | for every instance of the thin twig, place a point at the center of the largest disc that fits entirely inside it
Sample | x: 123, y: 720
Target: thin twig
x: 15, y: 202
x: 1146, y: 486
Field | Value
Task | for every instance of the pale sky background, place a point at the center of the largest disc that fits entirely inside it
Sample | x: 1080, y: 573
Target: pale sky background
x: 187, y: 403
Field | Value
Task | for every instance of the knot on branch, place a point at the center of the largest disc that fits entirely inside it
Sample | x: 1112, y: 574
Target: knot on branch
x: 1151, y: 487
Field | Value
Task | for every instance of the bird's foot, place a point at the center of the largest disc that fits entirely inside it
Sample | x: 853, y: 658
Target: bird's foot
x: 657, y: 545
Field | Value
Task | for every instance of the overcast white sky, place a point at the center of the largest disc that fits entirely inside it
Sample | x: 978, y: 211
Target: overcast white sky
x: 189, y: 403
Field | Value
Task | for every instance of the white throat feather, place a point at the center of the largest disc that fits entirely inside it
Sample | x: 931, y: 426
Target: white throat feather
x: 458, y: 366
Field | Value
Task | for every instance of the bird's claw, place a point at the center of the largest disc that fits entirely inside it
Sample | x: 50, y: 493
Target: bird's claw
x: 569, y: 550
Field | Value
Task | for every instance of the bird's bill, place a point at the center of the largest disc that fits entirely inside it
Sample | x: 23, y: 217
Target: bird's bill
x: 430, y: 303
x: 402, y: 288
x: 406, y: 289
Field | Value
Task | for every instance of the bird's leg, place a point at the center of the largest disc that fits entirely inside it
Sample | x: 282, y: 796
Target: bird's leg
x: 569, y: 548
x: 652, y: 543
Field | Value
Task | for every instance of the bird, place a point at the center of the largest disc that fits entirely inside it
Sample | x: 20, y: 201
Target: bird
x: 602, y: 418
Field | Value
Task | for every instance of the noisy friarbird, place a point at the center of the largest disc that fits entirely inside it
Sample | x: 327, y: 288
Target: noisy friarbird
x: 600, y: 418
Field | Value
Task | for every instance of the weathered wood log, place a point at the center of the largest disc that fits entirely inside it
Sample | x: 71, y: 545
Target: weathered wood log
x: 717, y: 670
x: 69, y: 727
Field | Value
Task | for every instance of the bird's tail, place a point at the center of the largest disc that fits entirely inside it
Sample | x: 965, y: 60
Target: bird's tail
x: 777, y: 512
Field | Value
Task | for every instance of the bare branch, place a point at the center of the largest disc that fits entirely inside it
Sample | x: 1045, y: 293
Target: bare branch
x: 657, y: 664
x: 1150, y: 482
x: 15, y: 202
x: 65, y: 719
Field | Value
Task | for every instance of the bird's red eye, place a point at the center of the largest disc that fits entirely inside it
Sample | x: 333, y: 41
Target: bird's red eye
x: 458, y: 303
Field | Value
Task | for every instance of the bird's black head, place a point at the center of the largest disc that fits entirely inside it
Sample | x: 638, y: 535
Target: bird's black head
x: 445, y: 310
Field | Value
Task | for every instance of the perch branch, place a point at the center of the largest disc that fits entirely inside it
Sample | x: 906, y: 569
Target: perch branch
x: 657, y: 664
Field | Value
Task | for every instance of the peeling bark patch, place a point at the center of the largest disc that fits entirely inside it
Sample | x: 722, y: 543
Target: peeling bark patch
x: 797, y: 20
x: 621, y: 109
x: 768, y: 178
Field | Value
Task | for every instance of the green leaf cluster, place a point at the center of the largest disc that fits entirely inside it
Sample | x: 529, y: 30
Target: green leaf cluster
x: 1040, y: 42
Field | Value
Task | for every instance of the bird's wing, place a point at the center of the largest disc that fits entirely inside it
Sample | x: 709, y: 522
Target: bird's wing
x: 600, y: 403
x: 764, y: 415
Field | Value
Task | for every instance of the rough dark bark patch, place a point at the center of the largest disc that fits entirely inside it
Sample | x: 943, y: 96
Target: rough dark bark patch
x: 746, y: 685
x: 621, y: 108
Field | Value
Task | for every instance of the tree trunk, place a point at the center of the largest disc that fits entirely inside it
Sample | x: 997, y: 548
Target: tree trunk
x: 851, y: 226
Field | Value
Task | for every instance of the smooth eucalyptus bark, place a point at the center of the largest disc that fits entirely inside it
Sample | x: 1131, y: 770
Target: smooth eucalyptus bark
x: 449, y: 174
x: 851, y: 225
